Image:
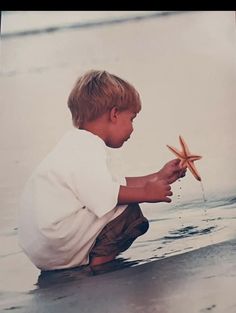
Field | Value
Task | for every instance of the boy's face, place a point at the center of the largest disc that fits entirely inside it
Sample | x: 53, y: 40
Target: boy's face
x: 122, y: 128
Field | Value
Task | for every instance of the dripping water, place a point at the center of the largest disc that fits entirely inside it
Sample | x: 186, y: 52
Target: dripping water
x: 178, y: 202
x: 204, y: 201
x: 203, y: 193
x: 205, y: 210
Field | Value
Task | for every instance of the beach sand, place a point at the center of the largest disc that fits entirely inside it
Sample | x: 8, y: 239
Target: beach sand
x: 199, y: 281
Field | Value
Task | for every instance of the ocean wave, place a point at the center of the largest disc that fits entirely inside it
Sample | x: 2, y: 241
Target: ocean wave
x: 212, y: 202
x: 37, y: 29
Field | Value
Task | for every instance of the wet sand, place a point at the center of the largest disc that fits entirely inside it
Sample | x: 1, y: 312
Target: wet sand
x: 203, y: 280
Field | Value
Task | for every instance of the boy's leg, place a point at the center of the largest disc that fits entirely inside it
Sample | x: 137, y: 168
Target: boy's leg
x: 118, y: 235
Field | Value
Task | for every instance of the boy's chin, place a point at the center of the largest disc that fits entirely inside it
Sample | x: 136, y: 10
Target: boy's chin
x: 115, y: 145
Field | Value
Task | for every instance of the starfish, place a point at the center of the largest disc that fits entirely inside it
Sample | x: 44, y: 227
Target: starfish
x: 186, y: 158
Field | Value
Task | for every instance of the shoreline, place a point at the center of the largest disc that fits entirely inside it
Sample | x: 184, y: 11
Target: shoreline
x: 195, y: 281
x: 97, y: 22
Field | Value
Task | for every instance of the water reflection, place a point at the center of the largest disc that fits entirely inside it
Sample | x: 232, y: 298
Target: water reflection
x: 48, y: 279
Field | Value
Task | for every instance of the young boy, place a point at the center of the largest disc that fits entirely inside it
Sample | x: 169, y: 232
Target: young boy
x: 73, y: 211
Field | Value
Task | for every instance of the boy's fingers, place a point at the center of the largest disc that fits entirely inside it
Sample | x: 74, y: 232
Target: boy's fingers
x: 178, y: 161
x: 183, y: 172
x: 173, y: 162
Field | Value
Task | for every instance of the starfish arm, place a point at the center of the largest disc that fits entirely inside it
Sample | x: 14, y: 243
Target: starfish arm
x: 184, y: 146
x: 193, y: 170
x: 194, y: 157
x: 176, y: 152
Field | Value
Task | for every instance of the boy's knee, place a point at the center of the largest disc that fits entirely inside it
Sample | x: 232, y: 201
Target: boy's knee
x: 134, y: 210
x: 121, y: 232
x: 138, y: 223
x: 144, y: 226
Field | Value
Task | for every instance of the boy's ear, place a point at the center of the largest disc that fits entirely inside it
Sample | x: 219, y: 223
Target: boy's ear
x: 114, y: 114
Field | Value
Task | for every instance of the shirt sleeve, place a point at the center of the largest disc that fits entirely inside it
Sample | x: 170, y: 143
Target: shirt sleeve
x: 122, y: 181
x: 93, y: 183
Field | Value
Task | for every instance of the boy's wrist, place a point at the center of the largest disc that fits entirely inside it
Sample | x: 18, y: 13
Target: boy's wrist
x: 131, y: 195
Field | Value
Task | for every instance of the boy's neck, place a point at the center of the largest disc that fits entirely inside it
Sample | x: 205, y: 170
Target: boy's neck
x: 98, y: 127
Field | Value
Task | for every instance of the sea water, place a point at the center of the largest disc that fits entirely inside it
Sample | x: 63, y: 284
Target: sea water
x: 183, y: 66
x: 186, y: 226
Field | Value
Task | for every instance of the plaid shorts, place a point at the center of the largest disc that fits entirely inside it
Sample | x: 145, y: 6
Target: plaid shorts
x: 119, y: 234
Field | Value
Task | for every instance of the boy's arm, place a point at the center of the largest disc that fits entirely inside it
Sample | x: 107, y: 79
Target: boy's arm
x: 151, y: 191
x: 140, y: 181
x: 171, y: 171
x: 153, y: 187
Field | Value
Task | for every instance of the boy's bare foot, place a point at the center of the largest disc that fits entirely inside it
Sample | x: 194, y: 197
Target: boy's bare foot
x: 98, y: 260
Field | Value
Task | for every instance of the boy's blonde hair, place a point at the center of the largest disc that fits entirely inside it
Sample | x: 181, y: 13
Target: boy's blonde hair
x: 97, y: 92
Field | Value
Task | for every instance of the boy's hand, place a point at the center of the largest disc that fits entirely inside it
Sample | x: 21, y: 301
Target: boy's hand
x: 172, y: 171
x: 157, y: 191
x: 152, y: 188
